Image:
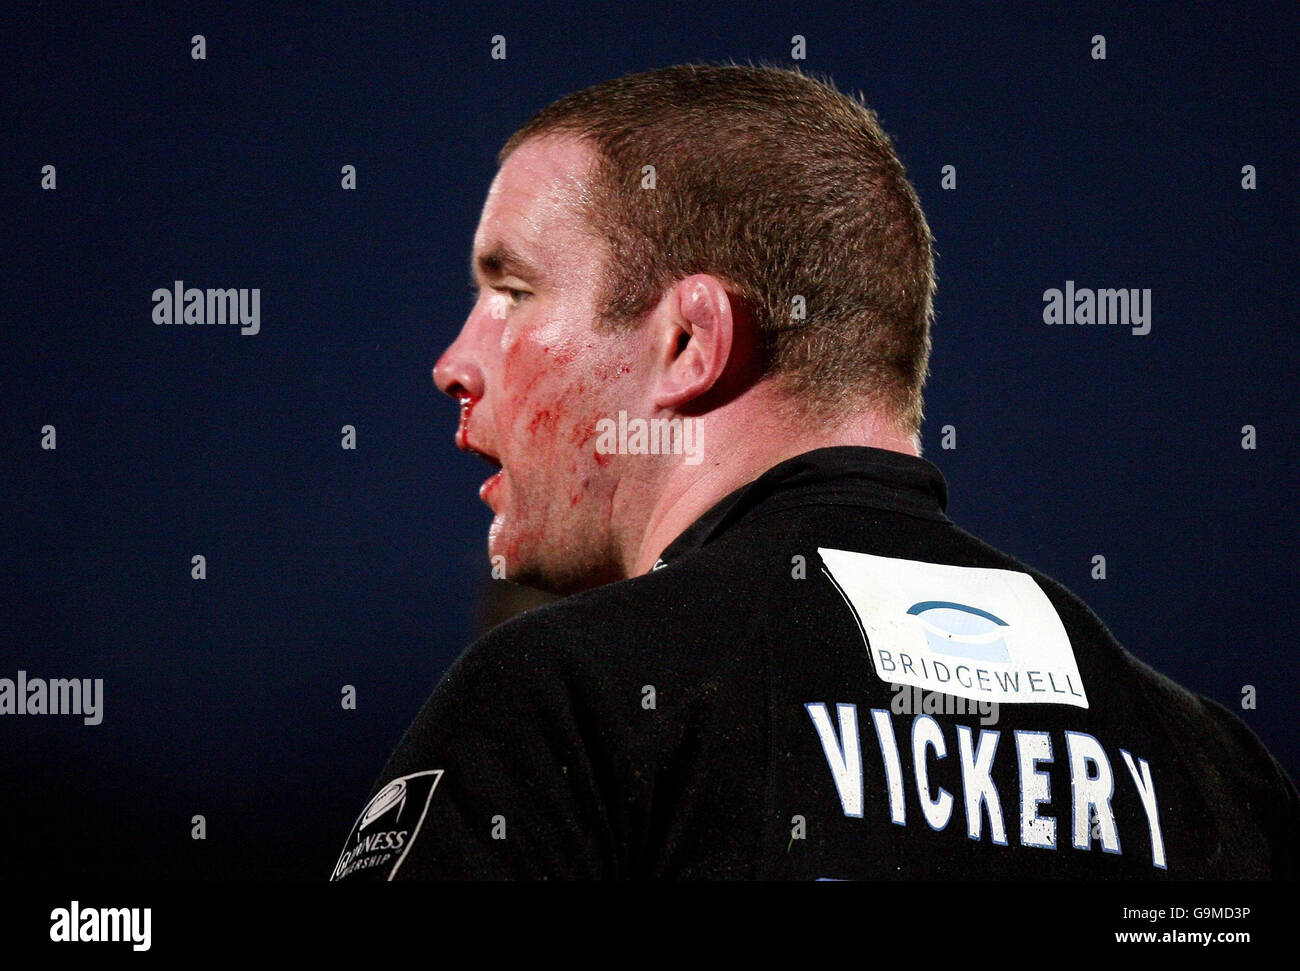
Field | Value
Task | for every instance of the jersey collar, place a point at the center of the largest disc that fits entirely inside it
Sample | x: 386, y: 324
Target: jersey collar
x: 844, y: 474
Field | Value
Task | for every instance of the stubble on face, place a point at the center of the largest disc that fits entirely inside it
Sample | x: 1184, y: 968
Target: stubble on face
x: 557, y: 524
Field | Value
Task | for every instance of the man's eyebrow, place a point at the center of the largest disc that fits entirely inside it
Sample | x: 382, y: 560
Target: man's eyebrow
x: 500, y: 260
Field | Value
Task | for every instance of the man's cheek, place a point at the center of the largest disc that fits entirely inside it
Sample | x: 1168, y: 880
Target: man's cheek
x: 560, y: 436
x: 525, y: 361
x: 582, y: 431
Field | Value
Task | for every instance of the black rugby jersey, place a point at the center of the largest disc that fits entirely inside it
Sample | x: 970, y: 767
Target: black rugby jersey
x: 823, y: 678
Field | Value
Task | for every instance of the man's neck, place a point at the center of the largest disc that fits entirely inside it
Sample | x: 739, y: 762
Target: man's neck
x: 738, y: 446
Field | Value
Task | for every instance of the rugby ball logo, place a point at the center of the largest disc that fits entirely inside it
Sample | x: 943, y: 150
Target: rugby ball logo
x: 392, y: 795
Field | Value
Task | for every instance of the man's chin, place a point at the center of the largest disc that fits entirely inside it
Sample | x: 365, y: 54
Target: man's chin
x: 560, y: 576
x: 560, y: 583
x: 565, y: 584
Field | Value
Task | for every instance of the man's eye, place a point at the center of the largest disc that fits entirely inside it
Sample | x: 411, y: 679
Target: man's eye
x: 516, y: 296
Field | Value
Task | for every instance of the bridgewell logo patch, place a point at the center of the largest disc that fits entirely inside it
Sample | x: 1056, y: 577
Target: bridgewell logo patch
x: 386, y: 828
x: 972, y: 632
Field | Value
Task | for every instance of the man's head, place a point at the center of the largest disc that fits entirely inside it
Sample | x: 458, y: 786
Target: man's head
x: 733, y: 246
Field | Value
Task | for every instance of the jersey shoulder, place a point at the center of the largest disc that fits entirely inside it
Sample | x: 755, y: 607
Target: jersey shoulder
x: 674, y: 617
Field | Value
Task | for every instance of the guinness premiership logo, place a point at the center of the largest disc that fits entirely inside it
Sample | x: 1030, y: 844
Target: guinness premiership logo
x: 383, y: 833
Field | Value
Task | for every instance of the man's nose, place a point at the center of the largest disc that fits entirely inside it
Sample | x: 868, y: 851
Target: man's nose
x: 457, y: 373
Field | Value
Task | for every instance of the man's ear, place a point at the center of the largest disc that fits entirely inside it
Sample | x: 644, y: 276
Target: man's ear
x: 695, y: 340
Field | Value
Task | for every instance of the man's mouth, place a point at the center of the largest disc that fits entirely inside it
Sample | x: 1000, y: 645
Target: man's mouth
x: 488, y: 485
x: 465, y: 445
x: 488, y: 457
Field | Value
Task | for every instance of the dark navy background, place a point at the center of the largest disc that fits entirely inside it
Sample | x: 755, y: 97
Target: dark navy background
x: 329, y: 567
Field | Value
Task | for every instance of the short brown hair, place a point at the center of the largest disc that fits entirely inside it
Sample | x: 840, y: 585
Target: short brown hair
x: 781, y: 186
